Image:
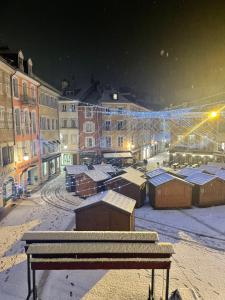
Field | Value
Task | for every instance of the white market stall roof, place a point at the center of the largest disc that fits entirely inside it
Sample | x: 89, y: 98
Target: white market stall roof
x: 201, y: 178
x: 118, y: 155
x: 188, y: 171
x: 97, y: 175
x: 106, y: 168
x: 76, y: 169
x: 111, y: 198
x: 164, y: 178
x: 155, y: 172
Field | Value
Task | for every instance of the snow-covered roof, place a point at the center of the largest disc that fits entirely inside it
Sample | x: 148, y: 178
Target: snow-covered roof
x: 188, y: 171
x: 155, y: 172
x: 221, y: 174
x: 210, y: 169
x: 97, y: 175
x: 133, y: 171
x: 163, y: 178
x: 107, y: 168
x: 132, y: 177
x: 76, y: 169
x: 111, y: 198
x: 200, y: 178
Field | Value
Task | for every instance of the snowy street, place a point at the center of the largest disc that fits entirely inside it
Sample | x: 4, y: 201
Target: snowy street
x: 198, y: 236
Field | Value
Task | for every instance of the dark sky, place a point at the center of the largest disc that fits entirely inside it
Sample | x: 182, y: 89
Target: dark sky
x: 172, y: 49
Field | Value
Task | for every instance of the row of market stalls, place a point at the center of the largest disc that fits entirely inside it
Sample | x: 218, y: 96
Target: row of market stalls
x: 203, y: 186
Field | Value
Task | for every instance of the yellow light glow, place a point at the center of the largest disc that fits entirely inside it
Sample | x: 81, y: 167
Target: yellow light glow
x: 213, y: 114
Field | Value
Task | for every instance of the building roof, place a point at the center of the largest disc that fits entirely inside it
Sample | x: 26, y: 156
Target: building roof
x: 200, y: 178
x: 76, y: 169
x: 164, y: 178
x: 111, y: 198
x: 209, y: 169
x: 188, y: 171
x: 133, y: 170
x: 106, y: 168
x: 107, y: 96
x: 155, y: 172
x: 97, y: 175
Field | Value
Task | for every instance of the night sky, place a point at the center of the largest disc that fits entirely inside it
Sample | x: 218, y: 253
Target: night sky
x: 168, y: 49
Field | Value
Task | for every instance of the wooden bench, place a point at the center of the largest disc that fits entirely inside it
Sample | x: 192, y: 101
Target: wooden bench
x: 96, y: 250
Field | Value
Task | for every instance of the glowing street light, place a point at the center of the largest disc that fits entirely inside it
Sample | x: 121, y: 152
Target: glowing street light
x: 26, y: 157
x: 213, y: 114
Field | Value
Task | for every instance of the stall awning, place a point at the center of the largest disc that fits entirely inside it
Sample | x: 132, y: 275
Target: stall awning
x: 117, y: 155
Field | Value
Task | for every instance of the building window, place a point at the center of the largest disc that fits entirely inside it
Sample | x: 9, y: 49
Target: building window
x: 120, y: 141
x: 88, y: 112
x: 115, y: 96
x: 107, y: 110
x: 120, y: 125
x: 89, y: 142
x: 180, y: 138
x: 48, y: 124
x: 107, y: 125
x: 33, y: 122
x: 15, y: 87
x: 73, y: 139
x: 65, y: 138
x: 7, y: 155
x: 24, y: 89
x: 64, y: 107
x: 191, y: 139
x: 7, y: 85
x: 64, y: 123
x: 73, y: 107
x: 2, y: 117
x: 89, y: 127
x: 17, y: 121
x: 108, y: 141
x: 32, y: 92
x: 120, y: 110
x: 27, y: 122
x: 73, y: 123
x: 53, y: 124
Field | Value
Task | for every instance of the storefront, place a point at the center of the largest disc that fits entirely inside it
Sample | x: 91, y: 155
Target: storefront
x: 50, y: 166
x: 8, y: 190
x: 90, y: 158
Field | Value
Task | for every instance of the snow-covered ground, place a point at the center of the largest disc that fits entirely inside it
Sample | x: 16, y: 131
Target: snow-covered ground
x: 198, y: 236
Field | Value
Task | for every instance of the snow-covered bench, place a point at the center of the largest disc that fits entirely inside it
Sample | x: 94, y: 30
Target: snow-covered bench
x: 96, y: 250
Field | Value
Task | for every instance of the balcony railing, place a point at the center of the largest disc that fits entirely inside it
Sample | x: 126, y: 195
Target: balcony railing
x: 27, y: 100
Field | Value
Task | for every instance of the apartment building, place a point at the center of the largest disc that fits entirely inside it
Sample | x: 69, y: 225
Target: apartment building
x: 7, y: 165
x: 124, y: 129
x: 25, y: 114
x: 49, y: 130
x: 69, y: 130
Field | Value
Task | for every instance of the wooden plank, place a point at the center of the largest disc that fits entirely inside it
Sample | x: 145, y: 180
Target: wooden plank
x: 94, y: 236
x: 95, y: 264
x: 94, y: 248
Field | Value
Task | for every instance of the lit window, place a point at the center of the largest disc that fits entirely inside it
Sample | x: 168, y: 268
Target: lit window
x: 120, y: 141
x: 115, y: 96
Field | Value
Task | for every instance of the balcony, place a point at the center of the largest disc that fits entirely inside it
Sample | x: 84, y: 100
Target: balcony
x: 26, y: 100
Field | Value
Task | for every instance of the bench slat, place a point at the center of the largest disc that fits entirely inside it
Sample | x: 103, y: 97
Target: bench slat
x: 94, y: 248
x: 94, y: 264
x: 95, y: 236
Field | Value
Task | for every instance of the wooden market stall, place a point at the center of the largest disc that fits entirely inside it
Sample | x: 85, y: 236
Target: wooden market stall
x: 208, y: 189
x: 168, y: 191
x: 107, y: 211
x: 90, y: 183
x: 130, y: 184
x: 72, y: 172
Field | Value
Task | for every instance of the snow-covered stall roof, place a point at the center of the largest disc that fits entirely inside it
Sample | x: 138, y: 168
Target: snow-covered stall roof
x: 210, y: 169
x: 188, y: 171
x: 111, y: 198
x: 117, y: 155
x: 76, y: 169
x: 221, y: 174
x: 97, y: 175
x: 155, y: 172
x: 201, y: 178
x: 164, y: 178
x: 106, y: 168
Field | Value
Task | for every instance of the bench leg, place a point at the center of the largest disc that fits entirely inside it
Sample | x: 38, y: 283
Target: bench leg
x: 34, y: 287
x: 28, y: 276
x: 153, y: 284
x: 167, y: 284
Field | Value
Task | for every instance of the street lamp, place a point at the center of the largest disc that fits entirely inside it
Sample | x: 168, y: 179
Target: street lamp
x: 26, y: 157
